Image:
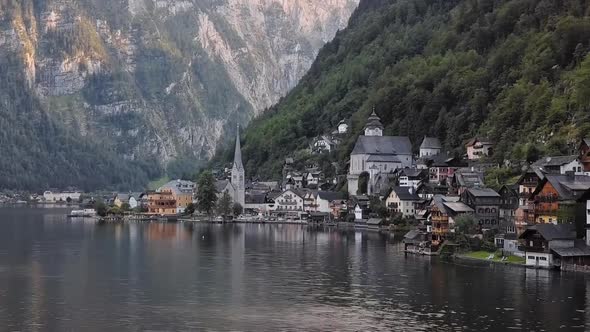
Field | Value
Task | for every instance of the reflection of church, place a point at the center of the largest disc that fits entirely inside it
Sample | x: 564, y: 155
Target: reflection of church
x: 375, y: 155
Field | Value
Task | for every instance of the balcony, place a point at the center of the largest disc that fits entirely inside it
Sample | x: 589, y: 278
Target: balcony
x: 532, y: 249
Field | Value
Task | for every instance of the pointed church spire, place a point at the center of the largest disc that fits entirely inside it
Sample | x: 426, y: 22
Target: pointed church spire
x: 238, y: 152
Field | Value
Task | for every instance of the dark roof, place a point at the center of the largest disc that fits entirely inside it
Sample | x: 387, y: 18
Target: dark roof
x: 580, y: 249
x: 404, y: 193
x: 568, y: 187
x: 382, y: 145
x: 554, y: 161
x: 384, y: 158
x: 552, y: 232
x: 374, y: 221
x: 412, y: 172
x: 256, y: 198
x: 475, y: 140
x: 220, y: 185
x: 331, y: 195
x: 483, y: 192
x: 374, y: 121
x: 412, y: 234
x: 430, y: 143
x: 466, y: 178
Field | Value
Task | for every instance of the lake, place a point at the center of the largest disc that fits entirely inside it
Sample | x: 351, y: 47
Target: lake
x: 60, y: 275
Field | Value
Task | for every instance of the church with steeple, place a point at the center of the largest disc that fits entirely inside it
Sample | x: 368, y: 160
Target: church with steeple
x: 237, y: 174
x: 375, y: 154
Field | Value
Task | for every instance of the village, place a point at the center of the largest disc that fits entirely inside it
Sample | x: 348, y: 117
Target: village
x: 440, y: 202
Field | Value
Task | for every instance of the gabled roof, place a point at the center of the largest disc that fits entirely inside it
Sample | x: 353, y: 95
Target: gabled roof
x: 467, y: 178
x: 411, y: 172
x: 552, y: 232
x: 483, y: 192
x: 458, y: 207
x: 430, y: 143
x: 567, y: 187
x: 382, y: 145
x: 331, y: 195
x: 404, y: 194
x: 554, y: 161
x: 220, y: 185
x: 474, y: 140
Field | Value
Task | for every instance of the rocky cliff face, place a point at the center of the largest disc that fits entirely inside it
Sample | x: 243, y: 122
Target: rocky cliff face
x: 163, y: 78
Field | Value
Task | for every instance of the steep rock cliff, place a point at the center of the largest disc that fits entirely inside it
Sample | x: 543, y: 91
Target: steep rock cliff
x: 162, y: 78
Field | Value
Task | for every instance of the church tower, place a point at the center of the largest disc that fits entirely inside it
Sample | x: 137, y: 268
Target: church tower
x: 237, y: 174
x: 374, y: 127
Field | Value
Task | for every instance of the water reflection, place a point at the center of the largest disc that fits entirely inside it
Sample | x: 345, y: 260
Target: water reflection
x: 63, y: 275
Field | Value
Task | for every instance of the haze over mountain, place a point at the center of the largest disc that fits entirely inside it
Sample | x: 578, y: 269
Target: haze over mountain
x: 108, y: 92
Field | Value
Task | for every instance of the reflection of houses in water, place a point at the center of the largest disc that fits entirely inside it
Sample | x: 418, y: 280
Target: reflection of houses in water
x: 159, y: 231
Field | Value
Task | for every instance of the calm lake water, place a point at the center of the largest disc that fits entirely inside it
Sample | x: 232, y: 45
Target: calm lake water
x: 59, y: 275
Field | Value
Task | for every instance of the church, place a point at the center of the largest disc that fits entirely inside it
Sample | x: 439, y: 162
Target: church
x: 236, y: 187
x: 375, y: 154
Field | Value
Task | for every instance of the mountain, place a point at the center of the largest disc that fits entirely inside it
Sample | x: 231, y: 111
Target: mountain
x: 145, y: 84
x: 514, y: 71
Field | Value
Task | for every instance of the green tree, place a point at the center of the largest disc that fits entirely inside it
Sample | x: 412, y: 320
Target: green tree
x: 465, y: 224
x: 190, y: 209
x: 206, y: 192
x: 224, y: 205
x: 237, y: 209
x: 377, y: 206
x: 101, y: 208
x: 125, y: 207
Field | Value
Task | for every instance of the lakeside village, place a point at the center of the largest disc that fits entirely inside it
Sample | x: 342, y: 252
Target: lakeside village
x: 440, y: 202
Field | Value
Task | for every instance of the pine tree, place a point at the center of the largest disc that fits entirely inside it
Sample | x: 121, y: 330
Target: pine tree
x: 206, y: 193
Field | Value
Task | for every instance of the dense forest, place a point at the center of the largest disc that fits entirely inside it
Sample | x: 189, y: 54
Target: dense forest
x: 515, y: 71
x: 39, y: 153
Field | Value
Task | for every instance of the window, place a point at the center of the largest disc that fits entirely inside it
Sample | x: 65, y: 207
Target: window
x: 531, y: 257
x: 543, y: 258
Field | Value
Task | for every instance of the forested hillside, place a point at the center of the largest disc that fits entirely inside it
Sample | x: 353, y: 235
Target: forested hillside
x: 112, y: 84
x: 516, y: 71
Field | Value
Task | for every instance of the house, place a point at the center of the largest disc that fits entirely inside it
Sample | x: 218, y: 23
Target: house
x: 411, y: 177
x: 555, y: 198
x: 584, y: 154
x: 442, y: 167
x: 359, y: 206
x: 560, y: 165
x: 477, y: 148
x: 486, y: 203
x: 183, y: 192
x: 429, y: 190
x: 374, y: 153
x: 508, y: 205
x: 443, y: 212
x: 290, y: 203
x: 416, y: 241
x: 312, y: 179
x: 55, y: 197
x: 294, y: 181
x: 464, y: 179
x: 323, y: 144
x: 508, y: 243
x: 430, y: 147
x: 528, y: 182
x: 326, y: 198
x: 342, y: 127
x: 374, y: 223
x: 402, y: 200
x: 539, y: 240
x: 129, y: 199
x: 161, y: 203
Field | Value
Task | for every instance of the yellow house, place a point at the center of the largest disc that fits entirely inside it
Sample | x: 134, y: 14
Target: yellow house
x: 182, y: 191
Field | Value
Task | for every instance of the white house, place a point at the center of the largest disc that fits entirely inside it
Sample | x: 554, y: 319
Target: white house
x: 323, y: 144
x: 430, y: 147
x: 541, y: 240
x: 325, y: 198
x: 290, y: 202
x: 477, y: 148
x: 51, y: 197
x: 402, y: 200
x: 342, y: 127
x: 358, y: 212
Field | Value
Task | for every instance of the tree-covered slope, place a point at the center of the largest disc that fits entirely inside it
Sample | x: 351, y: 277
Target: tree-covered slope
x: 145, y: 80
x: 515, y: 71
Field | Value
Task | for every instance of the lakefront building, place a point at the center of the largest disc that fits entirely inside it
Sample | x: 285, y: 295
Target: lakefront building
x: 374, y: 153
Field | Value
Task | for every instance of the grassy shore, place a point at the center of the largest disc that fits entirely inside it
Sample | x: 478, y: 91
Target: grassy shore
x: 497, y: 257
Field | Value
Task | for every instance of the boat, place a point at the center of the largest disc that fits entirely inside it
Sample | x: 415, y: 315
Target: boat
x: 85, y: 213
